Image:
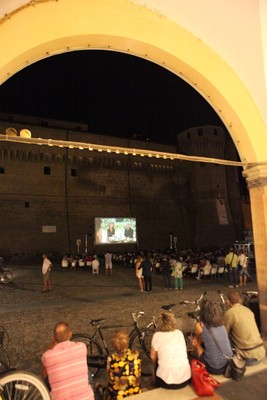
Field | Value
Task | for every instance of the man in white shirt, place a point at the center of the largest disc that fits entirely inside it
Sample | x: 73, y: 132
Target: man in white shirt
x: 108, y: 263
x: 46, y: 268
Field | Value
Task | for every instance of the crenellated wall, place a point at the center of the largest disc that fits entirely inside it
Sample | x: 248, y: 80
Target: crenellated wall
x: 43, y: 186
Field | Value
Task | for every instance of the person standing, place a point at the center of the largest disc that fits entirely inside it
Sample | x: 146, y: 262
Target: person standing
x: 231, y: 264
x: 46, y: 269
x: 108, y: 262
x: 147, y: 273
x: 65, y: 367
x: 243, y: 268
x: 166, y: 272
x: 139, y: 272
x: 177, y: 273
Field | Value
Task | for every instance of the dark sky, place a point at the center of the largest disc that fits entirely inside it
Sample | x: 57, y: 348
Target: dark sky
x: 114, y: 93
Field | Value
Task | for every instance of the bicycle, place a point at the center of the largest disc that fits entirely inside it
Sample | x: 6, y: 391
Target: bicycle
x: 22, y: 385
x: 4, y: 358
x: 5, y: 276
x: 183, y: 324
x: 98, y: 351
x: 186, y: 326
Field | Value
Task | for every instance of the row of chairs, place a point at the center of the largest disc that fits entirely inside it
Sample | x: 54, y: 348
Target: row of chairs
x: 80, y: 264
x: 214, y: 272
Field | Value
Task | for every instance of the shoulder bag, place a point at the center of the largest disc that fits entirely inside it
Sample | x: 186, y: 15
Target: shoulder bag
x: 203, y: 383
x: 236, y: 366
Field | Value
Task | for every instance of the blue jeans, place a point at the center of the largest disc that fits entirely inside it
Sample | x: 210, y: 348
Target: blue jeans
x: 233, y: 276
x: 167, y: 281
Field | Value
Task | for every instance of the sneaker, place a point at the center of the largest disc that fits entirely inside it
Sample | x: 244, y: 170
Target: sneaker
x: 231, y: 286
x: 236, y: 285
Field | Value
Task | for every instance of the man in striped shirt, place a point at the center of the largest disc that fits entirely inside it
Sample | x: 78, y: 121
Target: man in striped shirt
x: 65, y: 365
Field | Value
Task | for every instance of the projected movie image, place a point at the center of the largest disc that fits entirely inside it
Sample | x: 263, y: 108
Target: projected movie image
x: 115, y: 230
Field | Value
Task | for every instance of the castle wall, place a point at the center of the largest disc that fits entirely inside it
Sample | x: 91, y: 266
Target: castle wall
x: 213, y: 189
x: 44, y: 187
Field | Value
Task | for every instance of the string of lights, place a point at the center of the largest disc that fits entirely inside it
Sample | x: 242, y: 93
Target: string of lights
x: 25, y: 138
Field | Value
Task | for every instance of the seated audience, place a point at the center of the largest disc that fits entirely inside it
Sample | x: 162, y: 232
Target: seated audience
x: 123, y: 368
x: 169, y: 355
x: 209, y: 330
x: 242, y: 329
x: 65, y: 365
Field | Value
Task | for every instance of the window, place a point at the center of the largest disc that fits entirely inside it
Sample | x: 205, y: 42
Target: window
x: 73, y: 172
x: 47, y: 171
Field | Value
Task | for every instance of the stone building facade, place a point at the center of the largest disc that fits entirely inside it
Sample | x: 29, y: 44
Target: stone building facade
x: 50, y: 195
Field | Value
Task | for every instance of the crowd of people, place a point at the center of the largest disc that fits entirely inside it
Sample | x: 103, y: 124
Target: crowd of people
x: 215, y: 335
x: 179, y: 264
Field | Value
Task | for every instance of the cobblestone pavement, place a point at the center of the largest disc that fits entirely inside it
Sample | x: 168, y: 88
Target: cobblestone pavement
x: 30, y: 315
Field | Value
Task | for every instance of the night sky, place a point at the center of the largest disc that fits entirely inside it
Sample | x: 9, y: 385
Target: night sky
x: 114, y: 93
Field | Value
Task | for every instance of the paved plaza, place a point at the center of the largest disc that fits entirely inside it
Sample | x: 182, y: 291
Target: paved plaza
x: 30, y: 315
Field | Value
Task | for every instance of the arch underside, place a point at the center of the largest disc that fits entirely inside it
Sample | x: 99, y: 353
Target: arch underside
x: 51, y: 28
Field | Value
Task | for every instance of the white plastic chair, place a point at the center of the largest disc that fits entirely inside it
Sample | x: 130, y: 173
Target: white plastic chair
x: 95, y: 267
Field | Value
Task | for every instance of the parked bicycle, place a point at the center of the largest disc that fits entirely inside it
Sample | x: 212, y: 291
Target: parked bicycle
x: 6, y: 276
x: 21, y: 385
x: 4, y: 358
x: 97, y: 348
x: 187, y: 325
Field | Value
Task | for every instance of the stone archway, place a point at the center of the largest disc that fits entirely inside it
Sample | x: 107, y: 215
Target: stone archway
x: 46, y: 28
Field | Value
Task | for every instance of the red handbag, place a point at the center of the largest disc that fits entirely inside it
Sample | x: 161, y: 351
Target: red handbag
x: 203, y: 383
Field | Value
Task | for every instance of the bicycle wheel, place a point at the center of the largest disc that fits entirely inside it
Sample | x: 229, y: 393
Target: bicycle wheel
x: 4, y: 337
x: 21, y: 385
x: 188, y: 342
x: 6, y: 277
x: 95, y: 357
x: 4, y: 360
x: 142, y: 343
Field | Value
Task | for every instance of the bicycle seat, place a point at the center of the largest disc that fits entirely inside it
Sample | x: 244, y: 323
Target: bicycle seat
x: 167, y: 306
x: 95, y: 322
x: 193, y: 314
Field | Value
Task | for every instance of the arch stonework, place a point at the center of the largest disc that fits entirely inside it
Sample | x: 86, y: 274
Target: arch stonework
x: 44, y: 29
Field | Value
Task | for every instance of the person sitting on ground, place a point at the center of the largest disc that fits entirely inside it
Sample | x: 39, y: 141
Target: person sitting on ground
x: 123, y: 368
x: 168, y: 354
x: 65, y: 366
x: 209, y: 331
x: 205, y: 269
x: 242, y: 329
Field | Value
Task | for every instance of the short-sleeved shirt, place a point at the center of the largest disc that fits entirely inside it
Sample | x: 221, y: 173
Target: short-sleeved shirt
x: 242, y: 328
x: 231, y: 259
x: 213, y: 355
x: 124, y: 374
x: 67, y: 370
x: 46, y: 266
x: 173, y: 363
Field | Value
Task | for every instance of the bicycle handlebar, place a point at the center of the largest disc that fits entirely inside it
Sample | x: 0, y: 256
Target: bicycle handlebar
x: 194, y: 301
